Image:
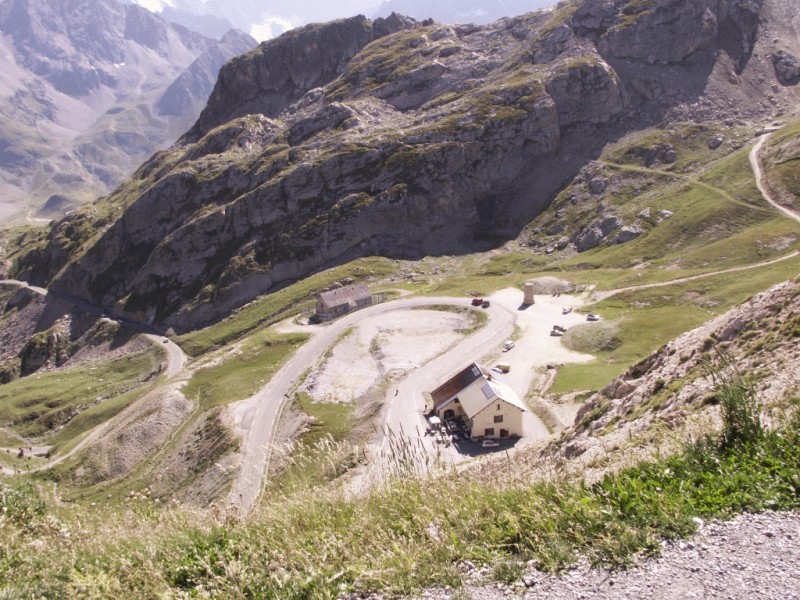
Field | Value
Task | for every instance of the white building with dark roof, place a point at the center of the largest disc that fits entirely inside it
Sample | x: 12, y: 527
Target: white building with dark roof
x: 487, y: 407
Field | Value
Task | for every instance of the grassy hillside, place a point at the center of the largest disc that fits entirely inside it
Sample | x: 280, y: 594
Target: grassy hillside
x: 56, y: 407
x: 312, y: 545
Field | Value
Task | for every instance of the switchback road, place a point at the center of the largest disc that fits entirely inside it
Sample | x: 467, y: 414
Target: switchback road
x: 260, y: 422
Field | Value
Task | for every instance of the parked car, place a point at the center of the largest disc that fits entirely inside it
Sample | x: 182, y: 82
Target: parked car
x: 508, y: 345
x: 486, y: 304
x: 592, y: 317
x: 477, y: 301
x: 487, y: 443
x: 566, y: 310
x: 503, y: 367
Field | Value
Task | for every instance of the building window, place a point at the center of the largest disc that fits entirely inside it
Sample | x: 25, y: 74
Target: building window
x: 498, y: 418
x: 488, y: 432
x: 498, y: 407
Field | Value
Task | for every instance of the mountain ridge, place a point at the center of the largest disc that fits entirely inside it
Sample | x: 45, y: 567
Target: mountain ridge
x: 424, y: 126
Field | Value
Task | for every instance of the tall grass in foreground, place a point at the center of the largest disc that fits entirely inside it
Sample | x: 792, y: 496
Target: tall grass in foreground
x: 738, y: 399
x: 404, y: 535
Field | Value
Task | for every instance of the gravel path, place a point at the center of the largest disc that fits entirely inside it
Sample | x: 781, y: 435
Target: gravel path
x: 758, y: 171
x: 751, y: 557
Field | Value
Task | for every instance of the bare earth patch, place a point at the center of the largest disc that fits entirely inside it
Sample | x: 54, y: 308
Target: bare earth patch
x: 397, y: 341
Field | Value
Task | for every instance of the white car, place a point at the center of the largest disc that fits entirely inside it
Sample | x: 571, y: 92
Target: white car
x: 487, y: 443
x: 508, y: 345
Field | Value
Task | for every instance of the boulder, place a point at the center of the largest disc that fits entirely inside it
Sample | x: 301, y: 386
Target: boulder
x: 329, y: 117
x: 585, y: 91
x: 589, y: 238
x: 598, y: 185
x: 787, y: 68
x: 574, y: 449
x: 716, y: 142
x: 627, y: 233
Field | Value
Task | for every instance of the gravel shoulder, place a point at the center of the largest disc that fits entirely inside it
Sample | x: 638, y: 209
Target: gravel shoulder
x: 752, y: 556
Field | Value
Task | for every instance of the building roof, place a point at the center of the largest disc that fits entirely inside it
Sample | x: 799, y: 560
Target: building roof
x: 474, y: 403
x: 345, y: 295
x: 504, y: 392
x: 455, y: 384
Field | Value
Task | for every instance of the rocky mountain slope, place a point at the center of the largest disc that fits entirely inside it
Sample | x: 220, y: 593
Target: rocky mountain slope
x: 315, y: 146
x: 675, y: 386
x: 88, y: 90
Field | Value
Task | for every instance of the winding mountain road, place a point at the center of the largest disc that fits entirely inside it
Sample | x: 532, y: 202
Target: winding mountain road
x: 175, y: 359
x: 260, y: 422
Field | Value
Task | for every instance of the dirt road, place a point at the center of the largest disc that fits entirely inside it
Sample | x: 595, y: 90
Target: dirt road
x: 175, y: 360
x: 758, y: 171
x: 264, y: 408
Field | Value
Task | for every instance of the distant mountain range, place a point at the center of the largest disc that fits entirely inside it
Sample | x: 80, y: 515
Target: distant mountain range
x: 90, y: 88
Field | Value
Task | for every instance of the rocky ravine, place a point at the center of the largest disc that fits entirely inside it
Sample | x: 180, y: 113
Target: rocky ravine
x: 395, y: 138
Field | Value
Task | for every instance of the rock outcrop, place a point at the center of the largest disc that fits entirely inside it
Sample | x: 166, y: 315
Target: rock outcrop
x: 667, y: 31
x: 271, y: 77
x: 390, y: 137
x: 787, y: 68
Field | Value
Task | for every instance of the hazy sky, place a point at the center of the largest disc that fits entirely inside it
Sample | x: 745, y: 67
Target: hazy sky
x: 294, y: 14
x: 265, y: 19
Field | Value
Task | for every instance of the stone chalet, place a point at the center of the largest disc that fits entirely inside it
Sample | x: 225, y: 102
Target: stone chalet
x: 487, y: 408
x: 338, y: 302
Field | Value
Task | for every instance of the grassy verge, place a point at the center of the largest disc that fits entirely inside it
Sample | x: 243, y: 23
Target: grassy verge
x: 243, y: 374
x: 92, y: 417
x: 39, y: 404
x: 647, y: 319
x: 324, y: 450
x: 9, y: 441
x: 277, y: 305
